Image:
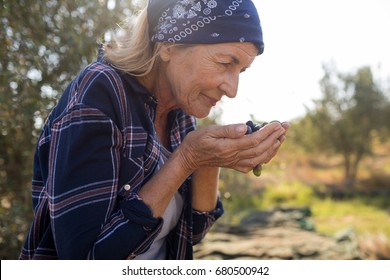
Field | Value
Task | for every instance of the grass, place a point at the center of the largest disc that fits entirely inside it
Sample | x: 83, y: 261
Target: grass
x: 295, y: 178
x: 366, y: 216
x: 331, y: 216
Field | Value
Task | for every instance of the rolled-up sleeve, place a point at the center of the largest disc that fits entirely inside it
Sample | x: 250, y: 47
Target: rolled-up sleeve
x: 202, y: 221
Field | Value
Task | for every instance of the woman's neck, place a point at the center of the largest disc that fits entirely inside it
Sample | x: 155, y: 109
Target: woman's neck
x: 158, y: 86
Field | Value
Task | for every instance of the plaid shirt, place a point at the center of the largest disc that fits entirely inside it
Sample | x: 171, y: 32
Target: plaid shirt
x: 97, y: 149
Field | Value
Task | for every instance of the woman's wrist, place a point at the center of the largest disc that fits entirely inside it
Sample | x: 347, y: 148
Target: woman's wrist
x: 186, y: 159
x: 205, y: 181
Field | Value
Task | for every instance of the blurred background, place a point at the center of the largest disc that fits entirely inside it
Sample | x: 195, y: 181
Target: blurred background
x: 325, y: 69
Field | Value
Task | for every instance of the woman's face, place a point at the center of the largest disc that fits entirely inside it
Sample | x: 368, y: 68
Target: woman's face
x: 197, y: 77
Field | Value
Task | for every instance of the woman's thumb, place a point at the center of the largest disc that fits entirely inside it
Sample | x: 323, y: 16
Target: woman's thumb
x: 230, y: 131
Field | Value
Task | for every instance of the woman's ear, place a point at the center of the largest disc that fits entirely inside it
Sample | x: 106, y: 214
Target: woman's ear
x: 166, y: 51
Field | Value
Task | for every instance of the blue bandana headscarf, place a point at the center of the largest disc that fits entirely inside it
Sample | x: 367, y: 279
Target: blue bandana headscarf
x: 204, y: 22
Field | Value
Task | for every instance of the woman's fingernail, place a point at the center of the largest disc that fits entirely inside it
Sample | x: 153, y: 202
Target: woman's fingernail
x: 241, y: 128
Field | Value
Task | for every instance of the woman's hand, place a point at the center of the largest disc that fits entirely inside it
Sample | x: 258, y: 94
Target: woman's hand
x: 201, y: 153
x: 228, y: 146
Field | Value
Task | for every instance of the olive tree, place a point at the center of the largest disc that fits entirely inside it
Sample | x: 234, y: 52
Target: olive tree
x: 43, y: 44
x: 352, y: 108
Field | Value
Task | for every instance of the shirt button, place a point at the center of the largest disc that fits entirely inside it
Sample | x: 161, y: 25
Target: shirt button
x: 127, y: 187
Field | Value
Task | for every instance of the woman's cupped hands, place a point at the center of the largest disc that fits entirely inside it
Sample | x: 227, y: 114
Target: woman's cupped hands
x: 229, y: 146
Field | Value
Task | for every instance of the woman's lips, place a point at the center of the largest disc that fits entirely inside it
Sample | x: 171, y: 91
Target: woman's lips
x: 212, y: 101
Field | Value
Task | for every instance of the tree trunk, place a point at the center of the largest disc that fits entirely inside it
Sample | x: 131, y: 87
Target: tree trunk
x: 349, y: 173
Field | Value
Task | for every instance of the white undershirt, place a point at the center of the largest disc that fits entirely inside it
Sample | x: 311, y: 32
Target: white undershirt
x: 171, y: 216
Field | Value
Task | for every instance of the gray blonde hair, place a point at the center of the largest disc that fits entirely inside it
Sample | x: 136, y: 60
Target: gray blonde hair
x: 131, y: 50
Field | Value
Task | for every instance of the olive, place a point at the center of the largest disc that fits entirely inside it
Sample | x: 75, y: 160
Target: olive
x: 248, y: 129
x: 249, y: 123
x: 256, y: 127
x: 257, y: 170
x: 251, y: 127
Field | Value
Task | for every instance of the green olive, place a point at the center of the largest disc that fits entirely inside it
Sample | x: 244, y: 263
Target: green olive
x: 257, y: 170
x: 264, y: 124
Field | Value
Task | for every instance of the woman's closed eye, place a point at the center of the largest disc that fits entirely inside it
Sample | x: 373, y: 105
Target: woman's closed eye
x: 231, y: 64
x: 226, y: 64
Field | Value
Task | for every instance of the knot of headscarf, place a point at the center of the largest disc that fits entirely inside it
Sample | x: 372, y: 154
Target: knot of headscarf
x: 204, y: 22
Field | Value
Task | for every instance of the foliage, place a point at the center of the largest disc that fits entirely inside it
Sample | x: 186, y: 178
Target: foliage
x: 13, y: 226
x: 365, y: 215
x: 239, y: 198
x: 42, y: 46
x: 344, y: 121
x: 360, y: 213
x: 294, y: 194
x: 238, y: 195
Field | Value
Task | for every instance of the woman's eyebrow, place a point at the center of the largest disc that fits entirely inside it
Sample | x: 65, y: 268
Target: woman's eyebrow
x: 237, y: 61
x: 234, y: 59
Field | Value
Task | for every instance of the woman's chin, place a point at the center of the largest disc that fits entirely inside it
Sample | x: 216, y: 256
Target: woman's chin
x: 200, y: 114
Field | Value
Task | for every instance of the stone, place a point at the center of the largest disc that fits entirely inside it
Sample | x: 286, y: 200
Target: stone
x: 275, y: 235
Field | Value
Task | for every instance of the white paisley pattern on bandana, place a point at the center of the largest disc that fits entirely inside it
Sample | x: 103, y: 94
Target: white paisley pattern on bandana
x: 188, y: 16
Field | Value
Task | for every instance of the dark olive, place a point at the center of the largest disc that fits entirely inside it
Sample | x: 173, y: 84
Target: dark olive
x: 249, y: 123
x: 256, y: 127
x: 248, y: 129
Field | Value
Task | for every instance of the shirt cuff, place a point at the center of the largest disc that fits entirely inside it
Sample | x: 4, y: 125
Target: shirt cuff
x: 213, y: 214
x: 136, y: 211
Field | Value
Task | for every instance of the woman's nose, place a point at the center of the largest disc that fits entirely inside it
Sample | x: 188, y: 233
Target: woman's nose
x: 230, y: 85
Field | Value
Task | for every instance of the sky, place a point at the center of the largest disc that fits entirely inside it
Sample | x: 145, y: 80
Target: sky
x: 300, y: 37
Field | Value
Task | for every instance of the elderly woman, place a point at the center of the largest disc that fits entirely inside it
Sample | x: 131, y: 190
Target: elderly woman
x: 120, y: 171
